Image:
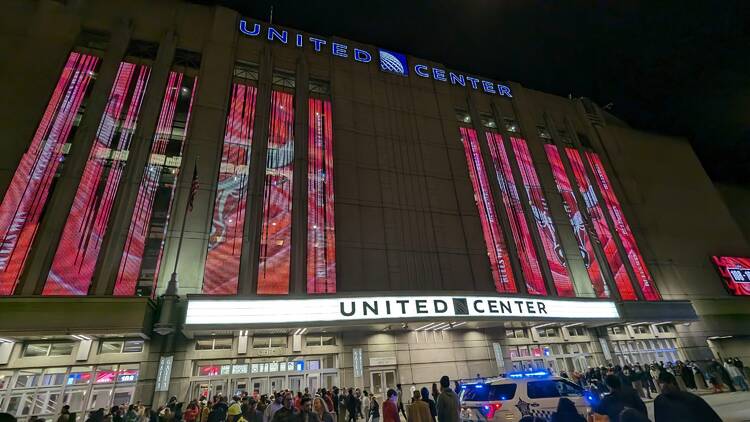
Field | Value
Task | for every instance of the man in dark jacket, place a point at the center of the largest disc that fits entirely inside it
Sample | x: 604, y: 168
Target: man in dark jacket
x: 287, y: 413
x: 448, y: 405
x: 680, y: 406
x: 619, y: 399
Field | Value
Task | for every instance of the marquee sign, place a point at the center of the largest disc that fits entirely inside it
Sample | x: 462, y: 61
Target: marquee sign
x: 390, y: 61
x: 736, y: 273
x: 391, y: 308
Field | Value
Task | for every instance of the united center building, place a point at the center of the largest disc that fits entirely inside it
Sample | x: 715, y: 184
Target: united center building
x: 196, y: 202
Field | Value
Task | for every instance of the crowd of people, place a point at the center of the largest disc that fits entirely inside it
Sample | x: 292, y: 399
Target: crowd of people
x: 621, y: 389
x: 689, y: 375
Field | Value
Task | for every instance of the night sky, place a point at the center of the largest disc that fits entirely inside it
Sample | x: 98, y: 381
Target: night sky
x: 672, y: 67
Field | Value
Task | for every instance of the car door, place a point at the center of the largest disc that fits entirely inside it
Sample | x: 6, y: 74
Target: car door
x: 544, y: 396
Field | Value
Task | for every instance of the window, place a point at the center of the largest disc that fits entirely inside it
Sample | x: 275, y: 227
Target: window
x: 121, y: 346
x: 28, y: 378
x: 616, y: 330
x: 640, y: 329
x: 553, y: 388
x: 54, y: 376
x: 543, y: 132
x: 547, y: 332
x: 320, y: 340
x: 576, y: 331
x: 48, y: 349
x: 265, y: 342
x: 664, y: 328
x: 282, y: 79
x: 319, y: 87
x: 462, y: 116
x: 511, y: 125
x: 491, y: 392
x: 488, y: 121
x: 213, y: 343
x: 516, y: 333
x: 246, y: 70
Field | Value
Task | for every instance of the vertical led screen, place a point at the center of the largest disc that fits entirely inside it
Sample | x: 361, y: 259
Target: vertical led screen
x: 527, y: 257
x: 736, y: 273
x: 544, y: 224
x: 493, y: 237
x: 276, y: 227
x: 321, y: 239
x: 31, y: 185
x: 580, y: 231
x: 148, y: 226
x: 607, y: 241
x: 78, y: 250
x: 222, y: 269
x: 623, y: 229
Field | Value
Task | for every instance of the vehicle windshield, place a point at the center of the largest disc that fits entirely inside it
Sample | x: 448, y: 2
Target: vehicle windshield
x: 485, y: 392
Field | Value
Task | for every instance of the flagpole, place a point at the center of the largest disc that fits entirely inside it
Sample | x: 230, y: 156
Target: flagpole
x: 173, y: 284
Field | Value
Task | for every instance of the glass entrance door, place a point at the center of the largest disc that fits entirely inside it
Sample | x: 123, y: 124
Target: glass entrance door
x: 276, y: 383
x: 295, y: 383
x: 381, y: 381
x: 259, y: 385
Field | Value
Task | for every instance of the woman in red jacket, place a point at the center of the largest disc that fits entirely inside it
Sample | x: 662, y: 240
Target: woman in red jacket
x: 390, y: 408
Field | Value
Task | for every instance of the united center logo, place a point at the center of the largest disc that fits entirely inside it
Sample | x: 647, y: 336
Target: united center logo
x: 393, y: 62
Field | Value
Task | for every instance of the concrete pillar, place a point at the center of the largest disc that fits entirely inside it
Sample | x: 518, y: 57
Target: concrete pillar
x: 298, y: 272
x: 254, y: 212
x: 51, y: 227
x: 202, y: 151
x: 122, y: 211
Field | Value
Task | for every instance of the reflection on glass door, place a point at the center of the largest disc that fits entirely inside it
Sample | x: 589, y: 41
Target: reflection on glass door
x: 277, y: 383
x: 295, y: 383
x: 259, y: 385
x: 313, y: 382
x: 381, y: 381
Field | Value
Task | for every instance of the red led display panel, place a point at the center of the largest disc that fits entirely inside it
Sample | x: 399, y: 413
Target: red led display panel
x: 225, y: 239
x: 78, y: 250
x: 735, y: 272
x: 276, y: 228
x: 622, y: 280
x: 493, y: 237
x: 585, y: 246
x: 527, y: 257
x: 31, y: 185
x: 623, y: 229
x: 544, y: 224
x: 321, y: 239
x: 157, y: 187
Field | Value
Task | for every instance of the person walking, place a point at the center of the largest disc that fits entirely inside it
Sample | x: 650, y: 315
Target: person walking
x: 431, y: 403
x: 65, y: 414
x: 321, y: 409
x: 435, y: 392
x: 272, y: 408
x: 734, y: 373
x: 373, y: 411
x: 654, y: 371
x: 364, y: 409
x: 400, y: 400
x: 306, y: 413
x: 250, y: 412
x: 619, y: 399
x: 700, y: 379
x: 419, y: 411
x: 725, y: 377
x: 448, y: 406
x: 566, y: 412
x: 390, y: 407
x: 352, y: 406
x: 287, y: 412
x: 674, y: 405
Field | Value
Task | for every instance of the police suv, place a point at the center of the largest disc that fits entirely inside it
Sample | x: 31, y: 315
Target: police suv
x: 519, y: 394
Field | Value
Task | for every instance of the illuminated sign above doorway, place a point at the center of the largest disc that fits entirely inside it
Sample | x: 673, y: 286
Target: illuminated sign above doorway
x: 390, y: 61
x: 202, y: 311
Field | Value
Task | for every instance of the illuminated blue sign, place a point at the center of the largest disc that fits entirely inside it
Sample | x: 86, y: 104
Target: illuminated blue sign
x: 390, y: 61
x: 393, y: 62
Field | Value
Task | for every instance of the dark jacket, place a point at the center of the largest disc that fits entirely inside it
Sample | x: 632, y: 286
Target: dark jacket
x: 448, y: 406
x: 287, y: 415
x: 613, y: 404
x: 681, y: 406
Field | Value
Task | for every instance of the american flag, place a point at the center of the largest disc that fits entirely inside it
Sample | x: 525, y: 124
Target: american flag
x: 194, y: 185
